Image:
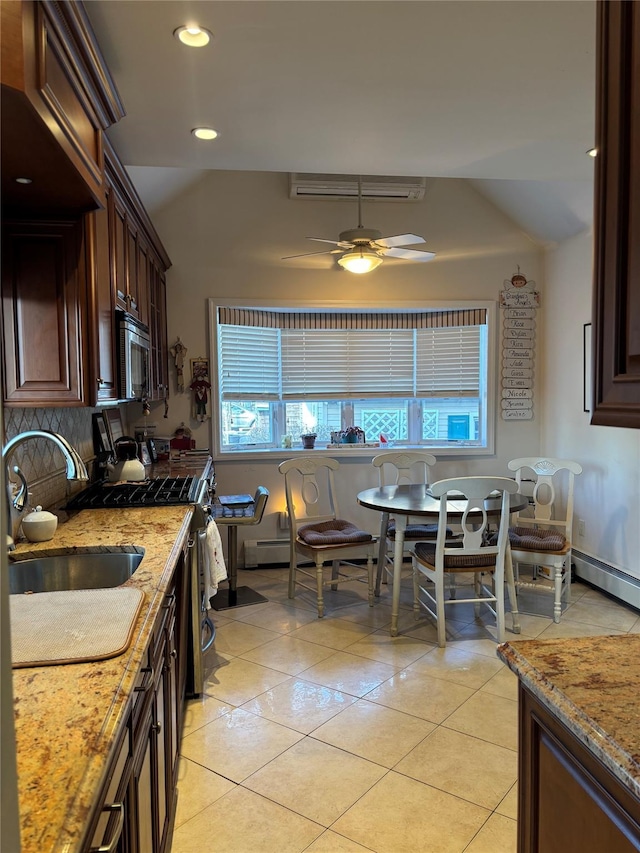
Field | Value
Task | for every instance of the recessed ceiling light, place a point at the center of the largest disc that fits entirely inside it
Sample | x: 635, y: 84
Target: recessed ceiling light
x: 193, y: 36
x: 204, y: 132
x: 592, y: 152
x: 24, y: 181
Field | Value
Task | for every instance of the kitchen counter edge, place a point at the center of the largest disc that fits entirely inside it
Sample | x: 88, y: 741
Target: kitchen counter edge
x: 591, y: 684
x: 68, y: 716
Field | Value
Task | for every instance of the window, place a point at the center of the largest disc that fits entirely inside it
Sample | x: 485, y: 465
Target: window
x: 417, y: 378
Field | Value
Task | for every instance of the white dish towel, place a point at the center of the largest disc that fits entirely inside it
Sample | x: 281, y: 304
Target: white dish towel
x: 215, y: 569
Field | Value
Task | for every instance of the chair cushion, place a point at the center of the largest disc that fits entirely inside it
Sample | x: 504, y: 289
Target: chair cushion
x: 334, y: 532
x: 426, y: 553
x: 417, y: 531
x: 536, y: 539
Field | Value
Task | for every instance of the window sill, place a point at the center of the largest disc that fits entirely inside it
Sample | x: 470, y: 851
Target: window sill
x: 348, y: 450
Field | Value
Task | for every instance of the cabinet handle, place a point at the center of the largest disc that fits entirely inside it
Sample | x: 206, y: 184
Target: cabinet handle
x: 100, y: 381
x: 111, y: 845
x: 147, y: 681
x: 156, y: 727
x: 170, y: 600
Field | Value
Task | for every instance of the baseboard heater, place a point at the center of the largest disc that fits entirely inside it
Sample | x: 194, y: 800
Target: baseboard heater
x: 607, y: 578
x: 265, y: 552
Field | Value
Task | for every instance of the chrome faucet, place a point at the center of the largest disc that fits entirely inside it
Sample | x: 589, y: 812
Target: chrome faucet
x: 76, y: 470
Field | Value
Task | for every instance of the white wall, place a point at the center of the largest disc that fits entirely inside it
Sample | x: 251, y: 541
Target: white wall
x: 607, y: 492
x: 226, y: 237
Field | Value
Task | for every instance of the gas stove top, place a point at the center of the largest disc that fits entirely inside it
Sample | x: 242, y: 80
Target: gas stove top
x: 161, y: 491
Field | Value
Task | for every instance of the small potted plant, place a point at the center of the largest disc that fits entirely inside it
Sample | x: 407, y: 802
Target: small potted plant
x: 352, y: 435
x: 308, y: 440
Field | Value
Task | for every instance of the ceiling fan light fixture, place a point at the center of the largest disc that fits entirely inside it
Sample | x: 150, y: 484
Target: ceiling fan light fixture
x: 193, y: 35
x: 360, y: 261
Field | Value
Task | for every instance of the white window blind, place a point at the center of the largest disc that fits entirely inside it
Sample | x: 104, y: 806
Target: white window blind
x: 249, y: 363
x: 448, y: 362
x: 334, y: 364
x: 264, y: 363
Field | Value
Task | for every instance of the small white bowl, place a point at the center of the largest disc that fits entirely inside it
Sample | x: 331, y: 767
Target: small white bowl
x: 39, y: 525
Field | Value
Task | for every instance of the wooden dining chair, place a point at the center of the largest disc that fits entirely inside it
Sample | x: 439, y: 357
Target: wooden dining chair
x: 543, y: 539
x: 471, y: 553
x: 396, y: 468
x: 318, y: 533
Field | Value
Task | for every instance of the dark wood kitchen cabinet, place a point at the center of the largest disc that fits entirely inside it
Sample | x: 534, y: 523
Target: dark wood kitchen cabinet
x: 77, y: 241
x: 158, y: 329
x: 616, y: 317
x: 57, y: 99
x: 43, y: 313
x: 136, y: 809
x: 568, y: 799
x: 103, y: 368
x: 125, y: 258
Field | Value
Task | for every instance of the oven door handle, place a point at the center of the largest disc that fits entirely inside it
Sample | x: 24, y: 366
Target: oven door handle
x: 207, y: 623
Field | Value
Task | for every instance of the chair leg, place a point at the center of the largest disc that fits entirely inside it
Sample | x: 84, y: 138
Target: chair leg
x: 557, y: 597
x: 319, y: 579
x: 370, y: 578
x: 477, y: 588
x: 452, y: 587
x: 292, y: 573
x: 499, y: 596
x: 382, y: 551
x: 335, y: 570
x: 442, y: 628
x: 416, y: 589
x: 513, y: 597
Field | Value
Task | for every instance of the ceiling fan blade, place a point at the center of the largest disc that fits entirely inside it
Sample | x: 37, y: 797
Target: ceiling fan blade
x: 408, y: 254
x: 343, y: 244
x: 400, y: 240
x: 307, y: 254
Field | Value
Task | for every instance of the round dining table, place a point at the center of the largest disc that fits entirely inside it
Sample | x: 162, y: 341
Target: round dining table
x: 404, y: 501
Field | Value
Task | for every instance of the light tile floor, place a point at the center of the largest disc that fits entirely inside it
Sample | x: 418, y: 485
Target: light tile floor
x: 329, y: 736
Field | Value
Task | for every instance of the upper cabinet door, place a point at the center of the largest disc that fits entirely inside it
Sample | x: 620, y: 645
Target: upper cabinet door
x: 617, y: 217
x: 43, y: 313
x: 57, y: 98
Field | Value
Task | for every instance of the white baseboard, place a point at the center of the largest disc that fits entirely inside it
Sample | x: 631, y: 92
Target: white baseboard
x: 264, y: 552
x: 607, y: 578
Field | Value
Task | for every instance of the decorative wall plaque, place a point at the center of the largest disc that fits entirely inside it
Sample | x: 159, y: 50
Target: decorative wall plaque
x: 519, y: 300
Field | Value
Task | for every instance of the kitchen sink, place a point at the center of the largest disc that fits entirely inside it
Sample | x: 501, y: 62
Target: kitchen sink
x: 72, y: 571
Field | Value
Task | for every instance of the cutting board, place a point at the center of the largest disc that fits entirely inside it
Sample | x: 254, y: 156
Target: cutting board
x: 50, y: 628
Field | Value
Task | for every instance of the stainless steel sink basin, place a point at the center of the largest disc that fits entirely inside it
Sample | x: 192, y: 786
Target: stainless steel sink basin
x: 71, y: 571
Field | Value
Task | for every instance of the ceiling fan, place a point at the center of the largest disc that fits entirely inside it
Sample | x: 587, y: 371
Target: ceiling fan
x: 363, y: 249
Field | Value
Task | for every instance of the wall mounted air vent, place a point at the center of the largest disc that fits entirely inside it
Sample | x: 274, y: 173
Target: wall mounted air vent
x: 345, y: 187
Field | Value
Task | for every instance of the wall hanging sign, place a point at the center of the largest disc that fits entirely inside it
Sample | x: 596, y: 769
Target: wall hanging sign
x: 519, y: 301
x: 179, y: 351
x: 200, y: 386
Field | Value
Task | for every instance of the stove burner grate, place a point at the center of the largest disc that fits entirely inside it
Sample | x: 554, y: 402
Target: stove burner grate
x: 161, y: 491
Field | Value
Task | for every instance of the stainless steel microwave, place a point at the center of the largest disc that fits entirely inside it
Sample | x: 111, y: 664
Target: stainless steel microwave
x: 133, y: 349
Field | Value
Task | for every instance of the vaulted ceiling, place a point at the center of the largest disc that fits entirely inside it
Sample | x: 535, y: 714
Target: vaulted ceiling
x: 497, y: 91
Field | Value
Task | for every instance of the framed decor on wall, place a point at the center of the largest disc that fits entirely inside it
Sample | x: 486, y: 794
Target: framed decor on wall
x: 114, y: 424
x: 200, y: 387
x: 102, y: 443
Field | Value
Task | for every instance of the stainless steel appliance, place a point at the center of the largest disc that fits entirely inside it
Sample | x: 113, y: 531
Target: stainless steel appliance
x: 133, y: 353
x: 171, y: 491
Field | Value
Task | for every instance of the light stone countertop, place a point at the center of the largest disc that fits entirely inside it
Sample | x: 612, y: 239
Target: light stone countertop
x: 592, y: 685
x: 67, y: 716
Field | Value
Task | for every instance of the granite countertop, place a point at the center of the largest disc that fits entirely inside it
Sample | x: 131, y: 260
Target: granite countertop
x: 67, y: 717
x: 592, y: 685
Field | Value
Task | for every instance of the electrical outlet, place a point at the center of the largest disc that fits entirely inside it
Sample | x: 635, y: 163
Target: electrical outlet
x: 581, y: 530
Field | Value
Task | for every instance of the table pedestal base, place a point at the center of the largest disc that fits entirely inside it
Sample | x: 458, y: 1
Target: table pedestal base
x: 225, y: 599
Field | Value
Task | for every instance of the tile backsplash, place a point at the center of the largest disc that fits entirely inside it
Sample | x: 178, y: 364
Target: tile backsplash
x: 40, y: 460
